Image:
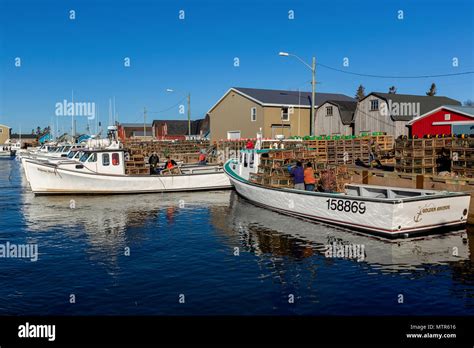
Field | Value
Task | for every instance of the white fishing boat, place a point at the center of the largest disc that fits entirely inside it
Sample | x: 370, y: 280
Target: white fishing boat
x: 102, y: 171
x: 6, y: 152
x: 390, y: 212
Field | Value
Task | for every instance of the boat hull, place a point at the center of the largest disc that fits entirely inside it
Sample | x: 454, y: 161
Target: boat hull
x: 391, y: 219
x: 47, y: 179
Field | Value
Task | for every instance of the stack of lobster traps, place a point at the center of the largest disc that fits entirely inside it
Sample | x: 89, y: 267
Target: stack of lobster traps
x: 273, y: 170
x: 135, y: 164
x: 462, y: 157
x: 415, y: 156
x: 349, y: 150
x: 425, y: 156
x: 187, y: 151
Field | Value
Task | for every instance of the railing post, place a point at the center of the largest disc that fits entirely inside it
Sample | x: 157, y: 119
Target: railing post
x: 420, y: 180
x: 365, y: 177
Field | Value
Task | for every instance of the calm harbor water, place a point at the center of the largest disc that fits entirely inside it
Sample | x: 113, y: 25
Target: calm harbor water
x: 187, y: 244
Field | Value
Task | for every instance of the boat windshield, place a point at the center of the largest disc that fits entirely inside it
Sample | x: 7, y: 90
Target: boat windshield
x: 85, y: 156
x: 66, y: 148
x: 78, y: 154
x: 71, y: 154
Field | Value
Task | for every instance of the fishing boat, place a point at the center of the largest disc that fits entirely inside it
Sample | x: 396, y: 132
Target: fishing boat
x: 388, y: 212
x: 102, y: 171
x: 6, y: 152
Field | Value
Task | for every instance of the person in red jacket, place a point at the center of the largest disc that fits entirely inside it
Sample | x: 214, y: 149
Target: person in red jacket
x: 170, y: 163
x: 309, y: 179
x: 202, y: 159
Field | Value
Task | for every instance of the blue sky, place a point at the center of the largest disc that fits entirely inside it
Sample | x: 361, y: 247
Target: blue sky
x: 197, y: 54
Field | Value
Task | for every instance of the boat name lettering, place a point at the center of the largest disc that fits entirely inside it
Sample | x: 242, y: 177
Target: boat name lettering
x: 45, y: 170
x: 429, y: 209
x: 346, y: 205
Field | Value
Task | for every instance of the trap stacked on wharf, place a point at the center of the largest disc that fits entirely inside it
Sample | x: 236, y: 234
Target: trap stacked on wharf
x: 415, y: 156
x: 329, y: 149
x: 349, y: 149
x: 426, y: 156
x: 462, y: 157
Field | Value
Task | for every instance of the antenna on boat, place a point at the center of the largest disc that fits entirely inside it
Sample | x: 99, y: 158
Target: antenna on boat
x: 114, y: 114
x: 110, y: 112
x: 72, y: 116
x: 97, y: 121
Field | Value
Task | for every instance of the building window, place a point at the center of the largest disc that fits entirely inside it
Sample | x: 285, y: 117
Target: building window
x: 328, y: 110
x: 231, y: 135
x: 447, y: 117
x: 115, y: 159
x: 105, y: 159
x: 285, y: 114
x: 374, y: 105
x: 253, y: 114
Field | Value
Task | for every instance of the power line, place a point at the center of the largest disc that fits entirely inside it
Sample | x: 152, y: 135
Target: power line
x: 167, y: 109
x: 395, y: 77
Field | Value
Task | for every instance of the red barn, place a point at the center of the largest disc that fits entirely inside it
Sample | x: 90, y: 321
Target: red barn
x: 447, y: 119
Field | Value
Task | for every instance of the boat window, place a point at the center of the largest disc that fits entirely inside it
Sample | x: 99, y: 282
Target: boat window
x: 105, y: 159
x: 78, y: 154
x: 66, y: 148
x: 93, y: 158
x: 71, y: 154
x: 84, y: 156
x: 115, y: 159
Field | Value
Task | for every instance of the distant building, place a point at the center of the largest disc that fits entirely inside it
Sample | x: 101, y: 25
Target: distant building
x: 446, y: 119
x: 26, y: 140
x: 179, y: 129
x: 335, y: 117
x: 5, y: 132
x: 390, y: 113
x: 241, y: 112
x: 134, y: 130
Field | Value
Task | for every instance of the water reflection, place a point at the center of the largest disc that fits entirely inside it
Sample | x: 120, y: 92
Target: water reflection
x: 267, y: 232
x: 113, y: 222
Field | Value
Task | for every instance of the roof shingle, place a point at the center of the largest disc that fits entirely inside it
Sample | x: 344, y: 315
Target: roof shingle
x: 282, y: 97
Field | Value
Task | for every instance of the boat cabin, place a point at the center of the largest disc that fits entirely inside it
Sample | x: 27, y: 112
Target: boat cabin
x: 99, y: 161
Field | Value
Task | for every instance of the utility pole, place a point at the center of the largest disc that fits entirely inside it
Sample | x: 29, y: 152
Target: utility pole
x: 189, y: 115
x: 313, y: 94
x: 144, y: 121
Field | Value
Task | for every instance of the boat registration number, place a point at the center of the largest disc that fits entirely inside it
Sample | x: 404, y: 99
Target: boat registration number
x: 346, y: 206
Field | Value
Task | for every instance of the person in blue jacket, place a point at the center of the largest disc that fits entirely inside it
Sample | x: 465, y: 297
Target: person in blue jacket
x: 297, y: 173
